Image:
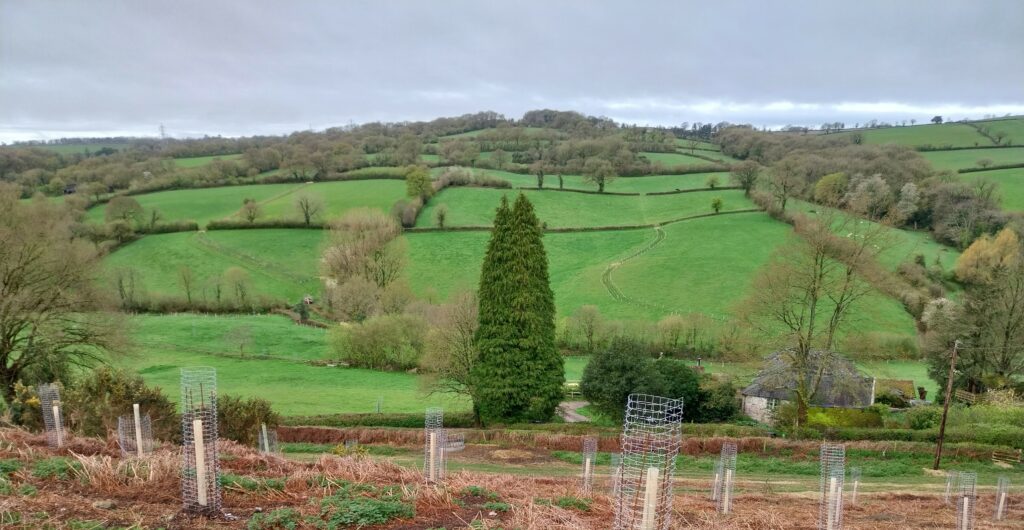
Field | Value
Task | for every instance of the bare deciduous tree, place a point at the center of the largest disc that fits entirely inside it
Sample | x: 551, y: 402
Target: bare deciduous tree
x: 50, y: 310
x: 309, y: 207
x: 808, y: 289
x: 451, y: 352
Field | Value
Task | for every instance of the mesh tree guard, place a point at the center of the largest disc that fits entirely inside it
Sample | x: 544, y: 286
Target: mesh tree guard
x: 616, y: 465
x: 53, y: 421
x: 833, y: 471
x: 1002, y: 494
x: 589, y: 460
x: 351, y: 444
x: 454, y: 442
x: 855, y: 484
x: 951, y: 485
x: 135, y: 433
x: 651, y: 438
x: 200, y: 489
x: 966, y: 500
x: 433, y: 446
x: 267, y: 439
x: 727, y: 468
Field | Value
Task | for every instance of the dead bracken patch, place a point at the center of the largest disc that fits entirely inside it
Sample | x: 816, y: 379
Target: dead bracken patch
x: 108, y: 491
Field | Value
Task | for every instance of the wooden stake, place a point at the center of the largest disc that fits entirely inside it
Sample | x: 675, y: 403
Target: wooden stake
x: 1001, y: 506
x: 138, y: 429
x: 266, y: 440
x: 714, y: 492
x: 830, y: 514
x: 433, y: 457
x: 200, y: 449
x: 726, y: 498
x: 650, y: 515
x: 586, y: 472
x: 853, y: 498
x: 57, y: 425
x: 966, y: 515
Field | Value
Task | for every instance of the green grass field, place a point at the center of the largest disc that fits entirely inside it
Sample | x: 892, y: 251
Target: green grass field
x: 968, y: 158
x: 442, y: 263
x: 952, y: 134
x: 201, y: 205
x: 281, y: 263
x: 276, y: 200
x: 675, y: 159
x: 339, y: 197
x: 1011, y: 186
x: 1013, y: 127
x: 644, y: 184
x: 476, y: 206
x: 165, y: 344
x: 902, y: 245
x: 199, y: 161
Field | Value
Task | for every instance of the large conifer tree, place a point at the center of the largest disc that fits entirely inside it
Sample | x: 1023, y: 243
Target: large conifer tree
x: 520, y: 373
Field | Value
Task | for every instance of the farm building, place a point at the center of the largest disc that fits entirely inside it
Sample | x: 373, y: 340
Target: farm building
x: 841, y: 384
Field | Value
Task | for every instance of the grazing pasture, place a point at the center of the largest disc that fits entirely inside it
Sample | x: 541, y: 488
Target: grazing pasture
x: 200, y: 161
x: 1010, y: 186
x: 559, y: 209
x: 281, y: 263
x: 968, y: 158
x: 642, y: 184
x: 201, y: 205
x: 951, y: 134
x: 164, y: 344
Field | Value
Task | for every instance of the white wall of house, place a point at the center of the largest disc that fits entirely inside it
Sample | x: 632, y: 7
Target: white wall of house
x: 757, y: 408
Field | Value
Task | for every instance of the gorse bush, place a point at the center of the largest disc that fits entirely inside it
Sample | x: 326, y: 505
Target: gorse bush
x: 239, y: 419
x: 386, y: 342
x: 95, y: 401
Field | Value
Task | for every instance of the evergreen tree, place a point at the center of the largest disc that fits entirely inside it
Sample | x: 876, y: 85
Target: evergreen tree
x: 520, y: 374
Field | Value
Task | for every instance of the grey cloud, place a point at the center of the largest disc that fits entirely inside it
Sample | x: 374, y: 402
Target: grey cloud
x: 271, y: 67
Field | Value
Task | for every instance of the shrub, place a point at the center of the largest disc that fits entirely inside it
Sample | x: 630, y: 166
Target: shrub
x: 285, y: 518
x: 387, y: 342
x: 98, y: 398
x: 56, y: 467
x: 616, y: 372
x: 238, y: 419
x: 924, y: 417
x: 341, y: 510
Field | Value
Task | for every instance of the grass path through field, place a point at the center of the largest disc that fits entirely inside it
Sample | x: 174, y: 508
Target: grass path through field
x: 273, y: 198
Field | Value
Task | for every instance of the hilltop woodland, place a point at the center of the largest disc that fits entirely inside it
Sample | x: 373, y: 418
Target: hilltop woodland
x: 842, y: 196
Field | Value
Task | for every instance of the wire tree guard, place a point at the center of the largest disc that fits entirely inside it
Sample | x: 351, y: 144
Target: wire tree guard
x: 589, y: 460
x: 725, y: 477
x: 1002, y: 494
x: 200, y: 489
x: 454, y: 442
x: 854, y: 484
x: 53, y: 421
x: 616, y: 465
x: 434, y: 443
x: 267, y: 439
x: 833, y: 464
x: 951, y: 485
x: 651, y: 438
x: 135, y: 433
x: 966, y: 500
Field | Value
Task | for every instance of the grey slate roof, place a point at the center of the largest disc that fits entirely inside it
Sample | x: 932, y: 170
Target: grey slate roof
x: 841, y: 384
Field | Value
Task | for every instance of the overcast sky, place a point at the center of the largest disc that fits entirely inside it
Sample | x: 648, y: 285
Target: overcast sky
x: 251, y: 67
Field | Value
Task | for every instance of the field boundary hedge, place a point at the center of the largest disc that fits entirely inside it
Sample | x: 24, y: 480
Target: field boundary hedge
x: 990, y: 168
x: 606, y: 228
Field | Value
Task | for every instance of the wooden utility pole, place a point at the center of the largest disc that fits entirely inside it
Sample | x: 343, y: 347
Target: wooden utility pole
x: 945, y: 407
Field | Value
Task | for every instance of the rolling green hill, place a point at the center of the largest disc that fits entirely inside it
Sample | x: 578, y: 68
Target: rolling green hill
x: 559, y: 209
x: 276, y: 200
x: 203, y: 160
x: 951, y: 134
x: 968, y: 158
x: 643, y: 184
